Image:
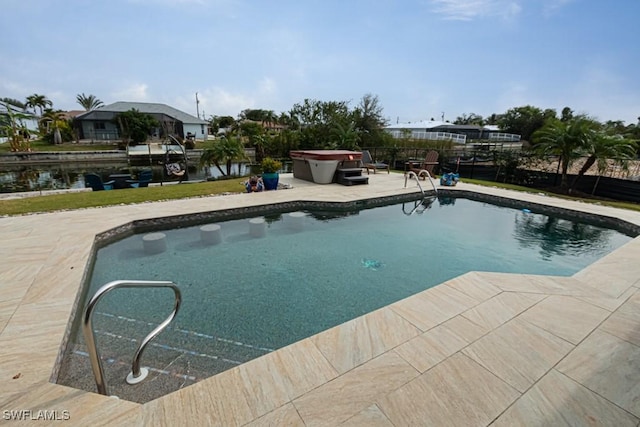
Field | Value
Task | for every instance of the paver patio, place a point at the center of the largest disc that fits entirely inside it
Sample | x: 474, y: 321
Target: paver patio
x: 481, y: 349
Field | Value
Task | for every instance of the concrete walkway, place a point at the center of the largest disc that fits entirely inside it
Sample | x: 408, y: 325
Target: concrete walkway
x: 481, y: 349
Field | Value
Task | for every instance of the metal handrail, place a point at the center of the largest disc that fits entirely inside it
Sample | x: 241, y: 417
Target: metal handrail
x: 414, y: 175
x: 416, y: 205
x: 419, y: 204
x: 136, y: 374
x: 430, y: 179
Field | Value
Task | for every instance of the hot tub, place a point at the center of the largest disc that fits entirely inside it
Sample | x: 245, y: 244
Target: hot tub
x: 320, y: 166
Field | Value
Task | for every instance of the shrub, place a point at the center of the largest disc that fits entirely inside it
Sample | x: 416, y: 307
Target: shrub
x: 270, y: 165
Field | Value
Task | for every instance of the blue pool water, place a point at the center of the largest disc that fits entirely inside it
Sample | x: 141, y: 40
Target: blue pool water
x: 247, y: 296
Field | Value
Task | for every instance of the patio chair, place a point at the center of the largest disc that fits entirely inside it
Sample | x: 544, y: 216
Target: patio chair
x: 145, y: 176
x: 95, y: 182
x: 429, y: 163
x: 370, y: 164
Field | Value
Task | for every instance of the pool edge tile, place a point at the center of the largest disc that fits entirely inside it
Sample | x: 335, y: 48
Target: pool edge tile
x: 359, y: 340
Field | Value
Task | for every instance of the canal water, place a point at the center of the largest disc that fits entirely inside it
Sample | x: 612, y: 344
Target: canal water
x: 37, y: 177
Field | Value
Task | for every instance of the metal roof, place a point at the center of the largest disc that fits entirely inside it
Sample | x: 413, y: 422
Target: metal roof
x: 423, y: 124
x: 5, y: 106
x: 430, y: 124
x: 148, y: 108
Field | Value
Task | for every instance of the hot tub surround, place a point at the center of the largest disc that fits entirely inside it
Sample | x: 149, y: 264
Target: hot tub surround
x: 319, y: 166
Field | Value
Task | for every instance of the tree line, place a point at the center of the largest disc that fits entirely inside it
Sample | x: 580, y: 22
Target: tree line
x: 53, y: 125
x: 315, y: 124
x: 526, y: 120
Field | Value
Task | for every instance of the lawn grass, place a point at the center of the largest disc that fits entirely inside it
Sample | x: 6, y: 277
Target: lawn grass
x: 90, y: 199
x: 612, y: 203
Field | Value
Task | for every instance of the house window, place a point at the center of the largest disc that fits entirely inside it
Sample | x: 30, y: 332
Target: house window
x: 99, y: 126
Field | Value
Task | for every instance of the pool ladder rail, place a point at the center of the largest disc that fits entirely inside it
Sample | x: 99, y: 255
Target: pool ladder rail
x: 424, y: 203
x: 137, y: 373
x: 412, y: 174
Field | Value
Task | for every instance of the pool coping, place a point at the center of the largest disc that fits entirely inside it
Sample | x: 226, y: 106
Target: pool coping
x: 31, y: 352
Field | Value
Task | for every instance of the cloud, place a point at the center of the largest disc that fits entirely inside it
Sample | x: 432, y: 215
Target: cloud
x: 267, y: 86
x: 220, y: 101
x: 135, y: 92
x: 551, y: 6
x: 15, y: 90
x: 217, y: 101
x: 467, y: 10
x: 598, y: 90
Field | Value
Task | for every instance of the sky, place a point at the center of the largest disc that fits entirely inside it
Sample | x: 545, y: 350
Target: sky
x: 423, y: 59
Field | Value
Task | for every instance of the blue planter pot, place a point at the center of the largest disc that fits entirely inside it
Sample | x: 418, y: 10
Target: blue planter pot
x: 270, y: 181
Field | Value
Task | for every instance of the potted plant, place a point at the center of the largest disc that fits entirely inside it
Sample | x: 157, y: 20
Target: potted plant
x: 270, y: 168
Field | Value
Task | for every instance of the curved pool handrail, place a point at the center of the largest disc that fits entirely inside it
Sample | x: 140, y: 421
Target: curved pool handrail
x: 136, y: 374
x: 412, y: 174
x: 419, y: 206
x: 416, y: 205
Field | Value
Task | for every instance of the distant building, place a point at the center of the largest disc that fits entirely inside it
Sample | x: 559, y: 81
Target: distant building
x: 99, y: 124
x: 30, y: 122
x: 268, y: 126
x: 72, y: 114
x: 445, y: 131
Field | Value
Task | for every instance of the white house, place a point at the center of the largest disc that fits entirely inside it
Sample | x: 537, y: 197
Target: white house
x: 30, y: 121
x: 445, y: 131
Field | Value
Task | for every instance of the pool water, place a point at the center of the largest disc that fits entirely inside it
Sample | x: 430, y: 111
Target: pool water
x: 247, y: 296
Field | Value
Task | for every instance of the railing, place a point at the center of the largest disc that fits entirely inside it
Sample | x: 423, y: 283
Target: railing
x: 137, y: 374
x: 500, y: 136
x: 433, y: 136
x: 419, y: 206
x: 424, y: 203
x: 412, y: 174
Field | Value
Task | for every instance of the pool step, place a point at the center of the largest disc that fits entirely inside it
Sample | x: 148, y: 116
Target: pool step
x: 350, y: 176
x: 176, y: 358
x: 178, y: 339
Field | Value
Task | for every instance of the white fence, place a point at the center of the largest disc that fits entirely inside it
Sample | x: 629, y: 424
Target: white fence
x: 432, y: 136
x: 507, y: 137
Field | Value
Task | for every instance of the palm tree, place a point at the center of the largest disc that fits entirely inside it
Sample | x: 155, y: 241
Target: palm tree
x: 224, y: 150
x: 15, y: 129
x: 38, y: 101
x: 15, y: 102
x: 89, y: 102
x: 567, y: 140
x: 259, y: 141
x: 269, y: 117
x: 555, y: 235
x: 285, y: 119
x: 604, y: 148
x: 346, y: 136
x: 53, y: 119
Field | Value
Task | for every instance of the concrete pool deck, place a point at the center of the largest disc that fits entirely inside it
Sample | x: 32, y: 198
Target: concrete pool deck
x: 481, y: 349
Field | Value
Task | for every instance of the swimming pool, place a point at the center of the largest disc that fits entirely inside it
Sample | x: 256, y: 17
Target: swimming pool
x: 247, y: 296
